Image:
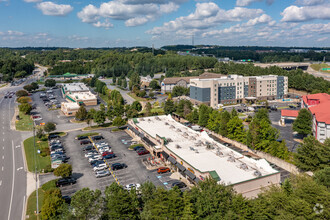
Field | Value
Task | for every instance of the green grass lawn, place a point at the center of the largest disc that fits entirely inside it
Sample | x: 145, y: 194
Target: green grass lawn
x: 318, y: 67
x: 25, y: 122
x: 136, y: 98
x: 30, y: 154
x: 94, y: 127
x: 32, y: 203
x: 88, y: 134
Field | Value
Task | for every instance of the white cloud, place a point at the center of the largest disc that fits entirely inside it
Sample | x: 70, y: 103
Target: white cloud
x: 243, y: 3
x: 322, y: 39
x: 106, y: 24
x: 262, y: 19
x: 50, y: 8
x: 133, y: 12
x: 296, y: 14
x: 77, y: 38
x: 29, y: 1
x: 205, y: 16
x: 11, y: 33
x: 309, y: 2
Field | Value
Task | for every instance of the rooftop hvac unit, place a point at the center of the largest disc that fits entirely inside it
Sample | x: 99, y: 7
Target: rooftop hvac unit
x: 219, y: 153
x: 178, y: 146
x: 149, y: 119
x: 172, y: 127
x: 157, y: 118
x: 243, y: 166
x: 178, y: 130
x: 141, y: 119
x: 196, y: 151
x: 231, y: 159
x: 192, y: 138
x: 166, y: 123
x: 191, y: 148
x: 257, y: 173
x: 169, y: 139
x: 185, y: 134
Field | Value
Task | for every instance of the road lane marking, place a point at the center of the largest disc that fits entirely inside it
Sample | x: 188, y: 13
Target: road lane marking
x: 23, y: 208
x: 18, y: 146
x: 0, y: 182
x: 2, y: 168
x: 20, y: 168
x: 12, y: 186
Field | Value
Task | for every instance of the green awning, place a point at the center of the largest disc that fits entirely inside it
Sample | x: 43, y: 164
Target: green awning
x: 80, y: 103
x: 68, y: 97
x: 214, y: 175
x: 135, y: 120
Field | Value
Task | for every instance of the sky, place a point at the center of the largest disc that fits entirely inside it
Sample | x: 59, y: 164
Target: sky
x: 127, y: 23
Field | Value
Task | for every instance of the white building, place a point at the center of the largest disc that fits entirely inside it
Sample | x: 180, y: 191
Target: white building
x: 197, y: 156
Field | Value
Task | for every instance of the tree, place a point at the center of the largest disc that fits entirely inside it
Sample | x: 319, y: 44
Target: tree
x: 50, y: 83
x: 312, y: 155
x: 148, y: 108
x: 63, y: 170
x: 179, y: 91
x: 81, y: 114
x: 28, y: 88
x: 323, y: 177
x: 204, y: 112
x: 52, y: 204
x: 35, y: 86
x: 118, y: 121
x: 225, y: 117
x: 24, y: 99
x: 124, y: 83
x: 234, y: 113
x: 193, y: 116
x: 303, y: 123
x: 137, y: 106
x: 40, y: 133
x: 154, y: 84
x: 184, y: 107
x: 169, y: 107
x: 87, y: 204
x: 26, y: 108
x: 49, y: 127
x: 21, y: 93
x: 99, y: 117
x: 134, y: 80
x: 235, y: 129
x: 120, y: 203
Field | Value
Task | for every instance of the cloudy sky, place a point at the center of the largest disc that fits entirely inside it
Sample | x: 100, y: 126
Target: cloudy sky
x: 98, y: 23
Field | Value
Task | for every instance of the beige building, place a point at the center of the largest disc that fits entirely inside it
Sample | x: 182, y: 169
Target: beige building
x: 69, y: 108
x: 85, y: 98
x: 235, y: 89
x: 196, y: 156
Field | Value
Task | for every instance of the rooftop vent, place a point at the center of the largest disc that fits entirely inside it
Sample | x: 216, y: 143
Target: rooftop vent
x: 172, y: 127
x: 231, y: 159
x: 192, y: 138
x: 149, y: 119
x: 178, y: 130
x: 169, y: 140
x: 166, y: 123
x: 157, y: 118
x: 178, y: 146
x: 219, y: 153
x: 243, y: 166
x: 141, y: 119
x: 191, y: 148
x: 257, y: 173
x: 185, y: 134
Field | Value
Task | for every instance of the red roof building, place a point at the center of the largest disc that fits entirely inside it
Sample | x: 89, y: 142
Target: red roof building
x: 319, y: 106
x: 289, y: 113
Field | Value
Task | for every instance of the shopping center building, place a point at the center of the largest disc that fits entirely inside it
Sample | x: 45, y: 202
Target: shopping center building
x: 196, y: 156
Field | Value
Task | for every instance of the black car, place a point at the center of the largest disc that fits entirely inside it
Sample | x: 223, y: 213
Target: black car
x: 88, y: 148
x: 109, y: 156
x: 82, y: 138
x: 65, y: 181
x: 53, y: 136
x: 96, y: 162
x: 118, y: 166
x: 179, y: 184
x: 99, y: 137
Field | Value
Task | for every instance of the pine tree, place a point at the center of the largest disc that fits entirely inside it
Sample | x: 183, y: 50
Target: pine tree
x: 303, y: 123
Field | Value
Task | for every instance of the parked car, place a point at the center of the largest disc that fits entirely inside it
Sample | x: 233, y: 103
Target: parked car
x: 143, y: 152
x: 65, y: 181
x: 163, y: 170
x: 179, y: 184
x: 98, y: 137
x: 106, y: 153
x: 118, y: 166
x: 102, y: 173
x: 90, y: 153
x: 88, y: 148
x: 81, y: 137
x: 95, y: 157
x: 99, y: 167
x: 97, y: 162
x: 109, y: 156
x: 137, y: 148
x: 132, y: 185
x: 85, y: 142
x: 53, y: 136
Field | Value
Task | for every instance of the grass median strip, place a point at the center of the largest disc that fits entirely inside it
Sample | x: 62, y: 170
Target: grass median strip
x: 88, y: 134
x: 25, y: 122
x: 43, y: 162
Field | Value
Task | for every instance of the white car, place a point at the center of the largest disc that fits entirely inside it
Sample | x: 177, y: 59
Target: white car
x: 102, y: 173
x: 104, y: 149
x: 37, y: 119
x: 90, y: 154
x: 101, y: 166
x: 132, y: 185
x: 96, y: 157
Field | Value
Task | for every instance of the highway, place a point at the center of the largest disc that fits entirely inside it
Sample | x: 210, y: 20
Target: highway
x: 13, y: 176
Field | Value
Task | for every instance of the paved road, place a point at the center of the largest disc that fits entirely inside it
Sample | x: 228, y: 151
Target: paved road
x: 13, y: 180
x: 126, y: 97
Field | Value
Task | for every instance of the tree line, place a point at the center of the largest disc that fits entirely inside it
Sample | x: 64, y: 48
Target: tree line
x: 299, y: 197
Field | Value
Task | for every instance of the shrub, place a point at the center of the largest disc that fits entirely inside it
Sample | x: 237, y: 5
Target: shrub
x: 49, y: 185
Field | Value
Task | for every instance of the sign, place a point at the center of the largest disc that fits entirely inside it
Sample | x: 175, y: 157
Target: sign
x: 172, y: 156
x: 38, y: 151
x: 201, y: 177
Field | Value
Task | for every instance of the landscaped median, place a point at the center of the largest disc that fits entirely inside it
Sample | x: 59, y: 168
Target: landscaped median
x: 25, y: 123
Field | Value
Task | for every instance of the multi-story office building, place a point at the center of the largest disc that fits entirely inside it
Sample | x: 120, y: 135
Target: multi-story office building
x: 234, y: 89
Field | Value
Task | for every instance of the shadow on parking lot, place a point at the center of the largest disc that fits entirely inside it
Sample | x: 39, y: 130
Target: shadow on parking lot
x: 77, y: 175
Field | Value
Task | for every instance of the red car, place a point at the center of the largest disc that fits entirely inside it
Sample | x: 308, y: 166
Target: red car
x: 163, y: 170
x: 35, y: 116
x: 143, y: 152
x: 106, y: 153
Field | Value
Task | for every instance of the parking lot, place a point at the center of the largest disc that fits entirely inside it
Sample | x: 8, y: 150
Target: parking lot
x: 135, y: 172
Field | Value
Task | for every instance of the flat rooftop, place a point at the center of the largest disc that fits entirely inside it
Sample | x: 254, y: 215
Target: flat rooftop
x: 203, y: 153
x: 71, y: 105
x: 83, y: 96
x: 75, y: 87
